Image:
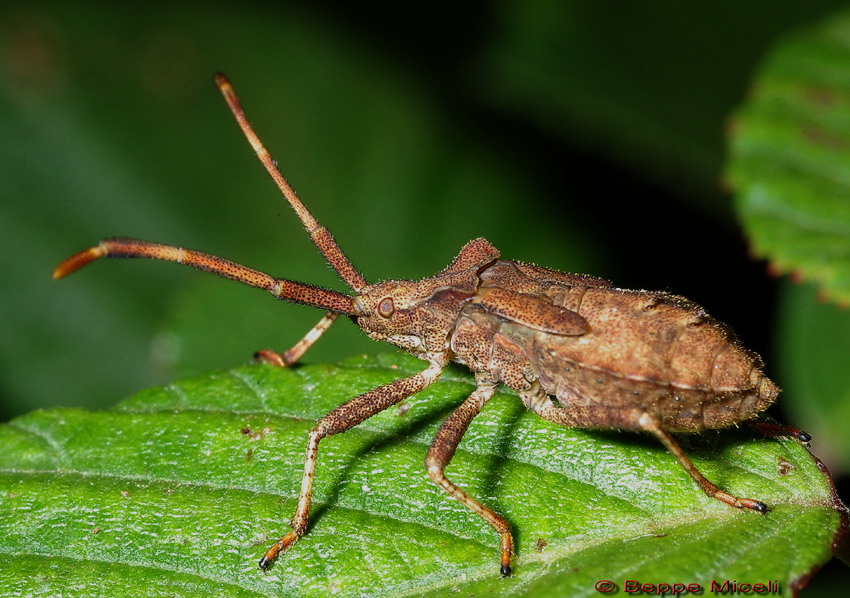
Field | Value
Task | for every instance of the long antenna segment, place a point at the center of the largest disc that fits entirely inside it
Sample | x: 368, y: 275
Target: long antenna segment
x: 320, y: 236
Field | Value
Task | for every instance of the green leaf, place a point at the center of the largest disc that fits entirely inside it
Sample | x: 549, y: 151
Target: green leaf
x: 814, y: 343
x: 183, y: 487
x: 790, y: 158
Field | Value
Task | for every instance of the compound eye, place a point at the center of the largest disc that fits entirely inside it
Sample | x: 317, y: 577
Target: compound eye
x: 386, y: 307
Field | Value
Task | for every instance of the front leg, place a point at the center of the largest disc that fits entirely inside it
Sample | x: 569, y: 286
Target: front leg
x: 343, y: 418
x: 443, y: 449
x: 291, y: 356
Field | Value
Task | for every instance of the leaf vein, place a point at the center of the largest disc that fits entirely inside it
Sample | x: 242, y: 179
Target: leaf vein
x: 56, y: 448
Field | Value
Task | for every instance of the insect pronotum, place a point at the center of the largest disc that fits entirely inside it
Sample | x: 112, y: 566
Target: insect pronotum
x: 576, y: 350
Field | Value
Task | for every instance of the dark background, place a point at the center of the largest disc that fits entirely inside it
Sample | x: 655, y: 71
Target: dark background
x: 582, y: 136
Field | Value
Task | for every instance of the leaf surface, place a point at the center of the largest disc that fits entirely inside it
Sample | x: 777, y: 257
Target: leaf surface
x: 183, y: 487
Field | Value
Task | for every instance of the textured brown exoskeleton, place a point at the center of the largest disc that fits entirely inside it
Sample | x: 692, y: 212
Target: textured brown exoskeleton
x: 576, y: 350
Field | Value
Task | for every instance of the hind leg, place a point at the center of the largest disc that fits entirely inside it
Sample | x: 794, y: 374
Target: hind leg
x: 633, y: 419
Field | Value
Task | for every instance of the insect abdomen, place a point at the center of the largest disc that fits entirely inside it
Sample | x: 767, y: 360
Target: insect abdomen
x: 655, y: 351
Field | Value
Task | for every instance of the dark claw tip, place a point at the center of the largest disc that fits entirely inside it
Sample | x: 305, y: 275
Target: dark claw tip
x: 506, y: 571
x: 761, y: 507
x: 804, y: 437
x: 264, y: 563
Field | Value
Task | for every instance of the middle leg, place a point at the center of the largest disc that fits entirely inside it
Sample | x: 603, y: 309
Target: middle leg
x: 443, y: 449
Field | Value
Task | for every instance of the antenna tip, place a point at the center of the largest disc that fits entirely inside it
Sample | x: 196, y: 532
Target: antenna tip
x: 77, y: 261
x: 222, y: 82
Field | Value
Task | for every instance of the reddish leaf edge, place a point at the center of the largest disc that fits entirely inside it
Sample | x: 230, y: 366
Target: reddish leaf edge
x: 840, y: 546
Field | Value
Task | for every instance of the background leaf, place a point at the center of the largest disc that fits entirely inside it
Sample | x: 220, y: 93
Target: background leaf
x: 648, y: 85
x: 183, y: 487
x: 790, y: 162
x: 817, y: 387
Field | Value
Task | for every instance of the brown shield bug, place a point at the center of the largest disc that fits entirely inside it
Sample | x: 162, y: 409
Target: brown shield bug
x: 577, y: 351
